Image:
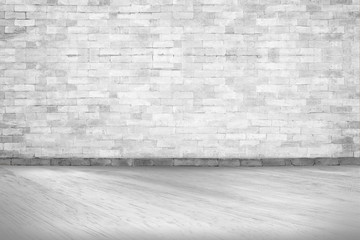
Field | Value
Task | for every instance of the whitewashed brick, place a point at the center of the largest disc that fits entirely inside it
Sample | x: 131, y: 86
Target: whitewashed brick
x: 24, y: 23
x: 216, y: 78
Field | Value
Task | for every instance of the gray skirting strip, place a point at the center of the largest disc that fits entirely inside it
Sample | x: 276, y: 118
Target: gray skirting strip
x: 198, y: 162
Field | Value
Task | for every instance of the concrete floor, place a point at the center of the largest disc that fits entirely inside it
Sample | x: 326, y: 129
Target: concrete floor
x: 179, y: 203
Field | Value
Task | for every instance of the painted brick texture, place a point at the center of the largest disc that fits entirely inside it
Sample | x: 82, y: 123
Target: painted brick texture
x: 179, y: 78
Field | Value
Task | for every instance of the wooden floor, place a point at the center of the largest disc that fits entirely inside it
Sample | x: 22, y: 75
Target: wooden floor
x: 93, y: 203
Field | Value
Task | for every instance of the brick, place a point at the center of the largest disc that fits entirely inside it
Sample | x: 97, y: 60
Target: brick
x: 122, y: 162
x: 163, y: 162
x: 327, y: 161
x: 344, y: 140
x: 206, y: 162
x: 52, y: 2
x: 24, y: 23
x: 21, y: 161
x: 143, y: 162
x: 15, y: 1
x: 229, y: 162
x: 274, y: 162
x: 60, y: 162
x: 5, y: 161
x: 251, y: 162
x: 100, y: 162
x: 40, y: 162
x: 349, y: 161
x: 346, y: 2
x: 302, y: 162
x: 184, y: 162
x: 79, y: 162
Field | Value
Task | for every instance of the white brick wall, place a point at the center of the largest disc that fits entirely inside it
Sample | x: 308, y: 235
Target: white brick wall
x: 188, y: 78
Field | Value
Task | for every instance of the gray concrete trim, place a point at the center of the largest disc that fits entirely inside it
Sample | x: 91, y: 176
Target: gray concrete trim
x: 196, y: 162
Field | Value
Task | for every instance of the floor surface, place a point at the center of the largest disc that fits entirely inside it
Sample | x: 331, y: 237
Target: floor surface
x: 179, y: 203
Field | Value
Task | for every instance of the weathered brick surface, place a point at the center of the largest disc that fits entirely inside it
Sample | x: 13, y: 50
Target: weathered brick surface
x: 174, y: 79
x: 275, y: 162
x: 122, y: 162
x: 194, y: 162
x: 80, y: 162
x: 251, y: 162
x: 5, y: 161
x: 20, y: 161
x: 100, y: 162
x: 163, y: 162
x: 327, y: 161
x: 184, y: 162
x: 229, y: 162
x: 349, y: 161
x: 40, y: 162
x: 206, y: 162
x: 302, y: 162
x: 143, y: 162
x: 60, y: 162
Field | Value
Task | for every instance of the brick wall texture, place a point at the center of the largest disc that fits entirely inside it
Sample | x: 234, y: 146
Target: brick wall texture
x: 179, y: 78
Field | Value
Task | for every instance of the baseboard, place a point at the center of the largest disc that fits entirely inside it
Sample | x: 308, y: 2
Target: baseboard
x: 197, y: 162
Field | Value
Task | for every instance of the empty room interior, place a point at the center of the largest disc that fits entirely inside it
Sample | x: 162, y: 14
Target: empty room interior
x: 179, y: 119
